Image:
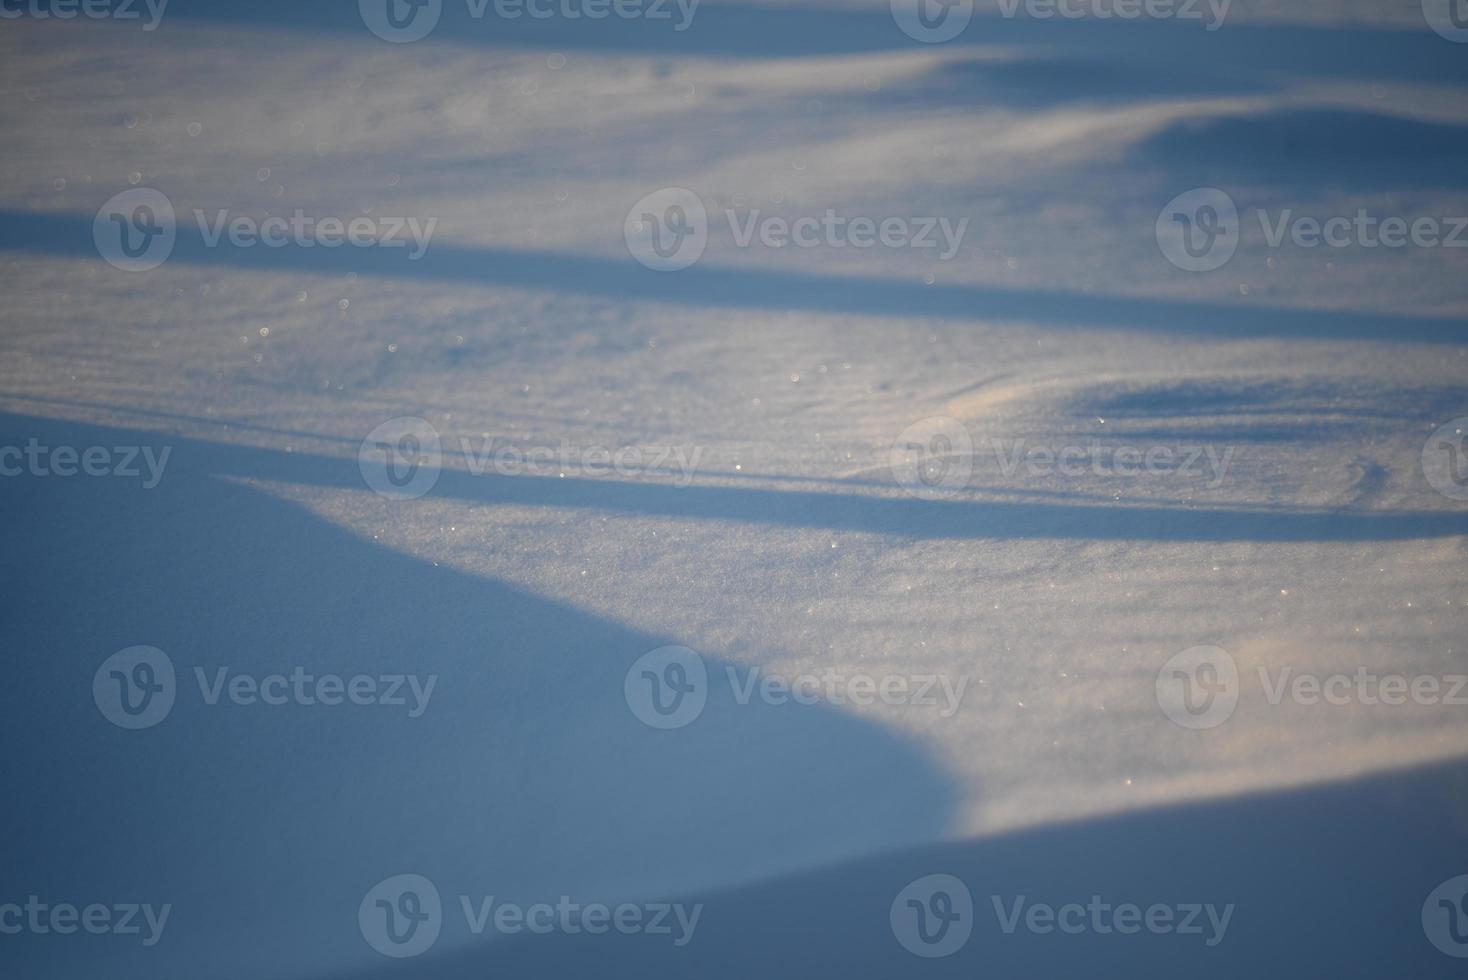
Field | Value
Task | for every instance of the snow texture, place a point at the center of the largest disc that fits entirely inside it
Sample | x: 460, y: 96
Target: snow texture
x: 764, y: 525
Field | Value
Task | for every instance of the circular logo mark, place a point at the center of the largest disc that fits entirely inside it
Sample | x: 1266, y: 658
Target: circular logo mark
x: 400, y: 21
x: 1199, y: 688
x: 135, y: 231
x: 932, y: 21
x: 667, y: 687
x: 1448, y: 17
x: 1445, y: 459
x: 1198, y: 231
x: 1445, y: 917
x: 134, y: 688
x: 933, y: 457
x: 933, y: 916
x: 401, y: 459
x: 401, y: 916
x: 667, y: 230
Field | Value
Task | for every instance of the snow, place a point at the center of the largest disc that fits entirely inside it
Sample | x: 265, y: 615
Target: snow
x: 788, y: 374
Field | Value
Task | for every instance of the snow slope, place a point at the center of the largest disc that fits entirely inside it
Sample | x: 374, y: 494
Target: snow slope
x: 774, y: 532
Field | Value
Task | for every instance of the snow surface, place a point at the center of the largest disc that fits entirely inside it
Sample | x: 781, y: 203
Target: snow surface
x: 793, y: 548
